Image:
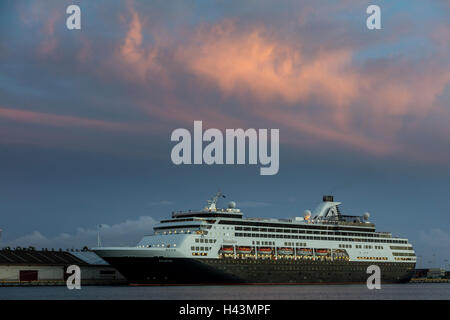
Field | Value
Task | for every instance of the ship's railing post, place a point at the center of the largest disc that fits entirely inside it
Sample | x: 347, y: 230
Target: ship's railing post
x: 234, y: 251
x: 256, y: 252
x: 295, y: 253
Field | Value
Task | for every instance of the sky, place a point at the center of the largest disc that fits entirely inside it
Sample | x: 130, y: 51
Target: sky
x: 86, y: 115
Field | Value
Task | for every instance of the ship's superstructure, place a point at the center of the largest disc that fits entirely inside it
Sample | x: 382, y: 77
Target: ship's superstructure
x: 216, y: 245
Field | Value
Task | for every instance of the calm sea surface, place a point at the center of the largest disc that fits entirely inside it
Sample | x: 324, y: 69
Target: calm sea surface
x: 297, y: 292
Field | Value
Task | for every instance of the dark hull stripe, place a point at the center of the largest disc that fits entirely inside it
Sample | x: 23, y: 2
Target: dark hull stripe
x: 191, y: 271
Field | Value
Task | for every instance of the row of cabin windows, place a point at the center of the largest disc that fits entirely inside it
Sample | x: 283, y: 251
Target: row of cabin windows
x: 287, y: 236
x: 162, y: 245
x: 264, y: 243
x: 400, y: 248
x: 272, y: 243
x: 405, y: 259
x: 405, y: 254
x: 336, y: 233
x: 176, y: 229
x: 199, y: 254
x: 360, y: 246
x: 201, y: 240
x: 292, y: 244
x: 303, y: 227
x: 345, y: 246
x: 200, y: 248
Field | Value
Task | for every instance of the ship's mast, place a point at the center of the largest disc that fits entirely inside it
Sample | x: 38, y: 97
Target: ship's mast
x: 213, y: 202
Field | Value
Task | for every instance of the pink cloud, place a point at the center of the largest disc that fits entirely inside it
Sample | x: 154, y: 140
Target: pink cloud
x: 53, y: 120
x: 309, y: 91
x: 278, y: 80
x: 136, y: 60
x: 250, y: 62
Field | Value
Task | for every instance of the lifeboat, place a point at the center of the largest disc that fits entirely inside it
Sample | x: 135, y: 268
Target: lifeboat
x: 322, y: 252
x: 265, y: 250
x: 304, y: 251
x: 227, y: 250
x: 285, y: 251
x: 243, y: 250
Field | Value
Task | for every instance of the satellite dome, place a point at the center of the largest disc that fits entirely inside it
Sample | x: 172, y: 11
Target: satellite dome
x: 307, y: 214
x: 366, y: 216
x: 231, y: 205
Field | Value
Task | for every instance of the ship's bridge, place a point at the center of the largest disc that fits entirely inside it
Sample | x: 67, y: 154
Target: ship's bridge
x: 211, y: 210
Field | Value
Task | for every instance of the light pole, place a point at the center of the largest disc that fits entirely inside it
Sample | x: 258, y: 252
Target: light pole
x: 98, y: 235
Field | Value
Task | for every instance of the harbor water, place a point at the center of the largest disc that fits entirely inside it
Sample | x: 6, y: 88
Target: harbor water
x: 409, y: 291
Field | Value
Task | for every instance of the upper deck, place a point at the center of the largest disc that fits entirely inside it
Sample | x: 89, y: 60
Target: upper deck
x: 326, y: 214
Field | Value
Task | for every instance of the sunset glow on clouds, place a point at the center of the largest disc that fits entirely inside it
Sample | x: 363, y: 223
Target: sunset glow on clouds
x: 138, y: 70
x: 250, y: 74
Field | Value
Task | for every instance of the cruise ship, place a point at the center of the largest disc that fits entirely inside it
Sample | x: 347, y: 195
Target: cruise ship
x: 221, y: 246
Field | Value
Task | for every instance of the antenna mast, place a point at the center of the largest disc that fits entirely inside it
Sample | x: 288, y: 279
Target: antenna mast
x: 213, y: 202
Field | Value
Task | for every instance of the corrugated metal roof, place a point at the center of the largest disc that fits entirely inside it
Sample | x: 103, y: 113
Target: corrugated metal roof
x: 89, y: 257
x: 39, y: 257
